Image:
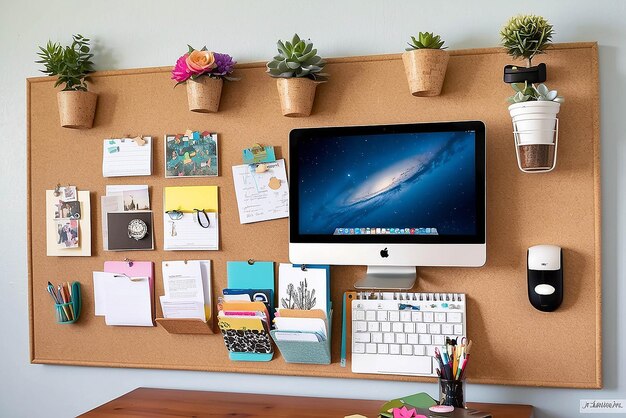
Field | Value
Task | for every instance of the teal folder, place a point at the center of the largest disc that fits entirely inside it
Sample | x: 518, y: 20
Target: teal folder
x: 250, y: 275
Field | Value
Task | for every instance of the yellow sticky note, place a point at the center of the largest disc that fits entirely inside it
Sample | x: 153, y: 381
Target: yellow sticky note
x: 188, y: 198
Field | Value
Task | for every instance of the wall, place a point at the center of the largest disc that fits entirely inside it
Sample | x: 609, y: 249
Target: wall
x: 147, y: 33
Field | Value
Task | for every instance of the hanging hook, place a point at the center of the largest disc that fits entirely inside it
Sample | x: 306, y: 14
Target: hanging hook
x: 251, y: 261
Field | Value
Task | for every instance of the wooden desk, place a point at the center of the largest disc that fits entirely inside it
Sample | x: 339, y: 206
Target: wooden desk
x: 146, y: 402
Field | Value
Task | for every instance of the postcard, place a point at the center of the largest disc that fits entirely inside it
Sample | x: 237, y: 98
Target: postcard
x: 192, y: 155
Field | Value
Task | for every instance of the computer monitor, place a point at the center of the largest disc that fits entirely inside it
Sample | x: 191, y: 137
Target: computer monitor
x: 391, y: 197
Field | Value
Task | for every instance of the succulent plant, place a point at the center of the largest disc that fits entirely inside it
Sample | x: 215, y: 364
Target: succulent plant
x: 297, y: 58
x: 426, y: 40
x: 525, y: 36
x: 71, y: 63
x: 530, y: 93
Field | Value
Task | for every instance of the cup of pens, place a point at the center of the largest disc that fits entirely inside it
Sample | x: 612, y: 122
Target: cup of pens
x: 67, y: 301
x: 452, y: 365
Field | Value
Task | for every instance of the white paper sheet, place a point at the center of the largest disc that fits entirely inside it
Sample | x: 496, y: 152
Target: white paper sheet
x: 187, y: 286
x: 123, y: 157
x: 188, y: 234
x: 123, y: 300
x: 256, y: 200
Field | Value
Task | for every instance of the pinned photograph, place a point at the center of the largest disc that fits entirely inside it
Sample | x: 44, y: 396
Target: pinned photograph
x: 136, y: 199
x: 191, y: 155
x: 67, y: 193
x: 67, y: 210
x: 67, y: 233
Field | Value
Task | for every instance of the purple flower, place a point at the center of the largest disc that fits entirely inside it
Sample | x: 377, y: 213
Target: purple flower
x: 224, y: 64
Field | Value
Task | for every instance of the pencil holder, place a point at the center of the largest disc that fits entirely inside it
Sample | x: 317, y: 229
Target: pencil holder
x: 68, y: 313
x: 452, y: 392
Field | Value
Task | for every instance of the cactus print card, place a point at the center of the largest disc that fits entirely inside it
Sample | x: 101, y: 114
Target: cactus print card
x: 302, y: 289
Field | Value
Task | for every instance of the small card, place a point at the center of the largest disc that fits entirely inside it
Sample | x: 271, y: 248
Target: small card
x: 258, y: 154
x: 191, y: 155
x: 134, y: 197
x: 126, y: 157
x: 67, y: 233
x: 67, y: 210
x: 67, y: 194
x: 130, y: 231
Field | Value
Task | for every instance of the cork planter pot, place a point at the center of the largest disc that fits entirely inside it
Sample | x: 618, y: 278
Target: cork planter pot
x: 77, y: 108
x: 536, y: 133
x: 296, y: 96
x: 425, y: 71
x: 204, y: 93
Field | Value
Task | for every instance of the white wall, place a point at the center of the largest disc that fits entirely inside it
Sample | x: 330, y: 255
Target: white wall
x: 145, y: 33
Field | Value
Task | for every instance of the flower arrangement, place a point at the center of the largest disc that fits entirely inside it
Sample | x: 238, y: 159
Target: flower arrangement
x: 196, y: 63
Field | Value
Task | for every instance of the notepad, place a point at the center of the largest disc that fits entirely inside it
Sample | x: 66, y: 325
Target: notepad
x: 187, y: 233
x: 122, y: 299
x: 124, y: 157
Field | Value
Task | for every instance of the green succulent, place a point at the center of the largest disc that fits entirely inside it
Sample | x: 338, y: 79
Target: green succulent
x: 297, y: 58
x: 525, y: 36
x: 426, y: 40
x: 529, y: 93
x: 71, y: 63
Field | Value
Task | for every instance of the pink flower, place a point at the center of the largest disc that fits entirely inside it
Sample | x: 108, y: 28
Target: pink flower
x: 181, y: 71
x: 406, y: 413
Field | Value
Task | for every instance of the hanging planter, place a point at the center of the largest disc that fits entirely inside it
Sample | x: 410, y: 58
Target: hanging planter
x: 298, y: 70
x: 203, y: 94
x: 425, y: 64
x: 71, y: 64
x: 536, y: 132
x: 204, y: 73
x: 534, y: 107
x: 77, y: 108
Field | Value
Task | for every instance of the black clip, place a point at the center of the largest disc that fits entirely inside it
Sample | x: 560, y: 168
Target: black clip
x: 250, y: 261
x: 303, y: 267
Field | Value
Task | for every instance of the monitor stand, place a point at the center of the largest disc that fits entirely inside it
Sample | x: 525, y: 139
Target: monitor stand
x: 388, y: 277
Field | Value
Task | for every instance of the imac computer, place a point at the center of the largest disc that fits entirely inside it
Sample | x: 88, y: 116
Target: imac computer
x: 391, y: 197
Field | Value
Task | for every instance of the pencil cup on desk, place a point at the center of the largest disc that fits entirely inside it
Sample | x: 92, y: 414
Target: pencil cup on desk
x: 452, y: 392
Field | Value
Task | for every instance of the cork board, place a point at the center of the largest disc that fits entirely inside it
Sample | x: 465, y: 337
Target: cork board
x: 513, y: 343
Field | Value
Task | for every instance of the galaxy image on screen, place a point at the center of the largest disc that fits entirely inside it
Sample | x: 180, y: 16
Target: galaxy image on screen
x: 401, y: 180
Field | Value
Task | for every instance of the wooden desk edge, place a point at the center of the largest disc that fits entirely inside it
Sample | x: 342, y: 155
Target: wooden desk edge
x: 144, y: 400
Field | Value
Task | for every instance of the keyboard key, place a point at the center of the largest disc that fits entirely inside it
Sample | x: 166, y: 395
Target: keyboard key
x: 435, y: 329
x: 447, y: 329
x: 407, y: 350
x: 419, y: 350
x: 428, y: 317
x: 360, y: 315
x: 401, y: 338
x: 358, y: 348
x: 370, y: 348
x: 370, y: 315
x: 405, y: 316
x: 383, y: 349
x: 421, y: 328
x: 458, y: 329
x: 455, y: 317
x: 389, y: 338
x: 394, y: 349
x: 394, y: 316
x: 424, y: 339
x: 439, y: 340
x: 412, y: 339
x: 397, y: 327
x: 373, y: 326
x: 377, y: 337
x: 381, y: 316
x: 386, y: 327
x: 361, y: 337
x: 361, y: 326
x: 430, y: 350
x: 440, y: 317
x: 416, y: 316
x: 409, y: 328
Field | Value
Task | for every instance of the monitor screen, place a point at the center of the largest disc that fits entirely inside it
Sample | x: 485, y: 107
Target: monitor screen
x: 414, y: 183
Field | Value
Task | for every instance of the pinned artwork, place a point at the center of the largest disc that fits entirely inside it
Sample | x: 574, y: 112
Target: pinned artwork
x: 191, y: 155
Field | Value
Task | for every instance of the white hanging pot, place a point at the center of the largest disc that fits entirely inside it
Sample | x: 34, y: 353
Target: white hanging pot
x: 534, y: 122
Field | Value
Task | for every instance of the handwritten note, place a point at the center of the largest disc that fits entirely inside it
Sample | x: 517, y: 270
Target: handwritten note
x: 261, y: 196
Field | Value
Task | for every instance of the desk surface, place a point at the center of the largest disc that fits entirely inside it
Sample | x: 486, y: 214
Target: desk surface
x: 146, y: 402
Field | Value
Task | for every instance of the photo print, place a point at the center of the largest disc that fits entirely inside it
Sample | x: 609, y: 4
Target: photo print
x: 67, y: 233
x: 191, y: 155
x: 67, y: 210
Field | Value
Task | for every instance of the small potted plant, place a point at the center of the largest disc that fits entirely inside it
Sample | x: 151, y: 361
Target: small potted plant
x: 204, y: 73
x: 534, y: 107
x: 71, y: 64
x: 425, y: 64
x: 298, y: 70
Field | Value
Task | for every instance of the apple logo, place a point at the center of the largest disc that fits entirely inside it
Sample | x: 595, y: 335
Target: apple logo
x: 384, y: 253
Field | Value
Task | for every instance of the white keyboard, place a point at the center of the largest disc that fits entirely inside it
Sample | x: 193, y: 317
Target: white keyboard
x: 397, y: 332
